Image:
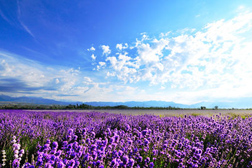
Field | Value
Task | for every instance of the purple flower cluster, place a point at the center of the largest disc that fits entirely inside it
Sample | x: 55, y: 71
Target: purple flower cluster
x: 98, y: 140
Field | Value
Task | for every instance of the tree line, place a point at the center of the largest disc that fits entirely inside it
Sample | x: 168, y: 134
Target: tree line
x: 90, y: 107
x: 76, y: 106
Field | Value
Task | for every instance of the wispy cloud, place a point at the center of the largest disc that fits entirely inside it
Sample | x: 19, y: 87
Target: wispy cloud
x: 14, y: 85
x: 30, y: 75
x: 24, y: 77
x: 19, y: 15
x: 26, y: 28
x: 4, y: 17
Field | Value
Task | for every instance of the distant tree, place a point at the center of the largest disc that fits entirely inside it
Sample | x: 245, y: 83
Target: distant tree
x: 216, y: 107
x: 203, y: 108
x: 121, y: 107
x: 84, y: 106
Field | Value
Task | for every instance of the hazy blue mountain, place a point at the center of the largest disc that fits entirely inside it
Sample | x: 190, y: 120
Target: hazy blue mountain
x: 230, y: 103
x: 36, y: 100
x: 30, y: 100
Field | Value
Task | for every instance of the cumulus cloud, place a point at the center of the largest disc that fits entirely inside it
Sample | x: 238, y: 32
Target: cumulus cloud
x: 106, y: 50
x: 124, y: 66
x: 91, y: 49
x: 93, y: 57
x: 152, y: 53
x: 101, y: 64
x: 121, y: 47
x: 216, y: 56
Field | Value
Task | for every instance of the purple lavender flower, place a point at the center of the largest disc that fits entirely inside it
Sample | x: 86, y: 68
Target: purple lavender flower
x: 71, y: 163
x: 75, y: 137
x: 15, y: 163
x: 98, y: 163
x: 92, y: 134
x: 144, y: 132
x: 55, y: 145
x: 186, y: 142
x: 125, y: 159
x: 70, y: 131
x: 48, y: 165
x: 112, y: 139
x: 147, y: 161
x: 60, y: 164
x: 131, y: 162
x: 120, y: 152
x: 48, y: 141
x: 39, y: 162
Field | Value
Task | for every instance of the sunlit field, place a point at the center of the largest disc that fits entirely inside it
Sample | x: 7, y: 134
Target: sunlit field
x: 98, y: 139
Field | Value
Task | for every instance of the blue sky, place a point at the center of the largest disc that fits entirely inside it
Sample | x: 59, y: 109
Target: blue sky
x: 118, y: 50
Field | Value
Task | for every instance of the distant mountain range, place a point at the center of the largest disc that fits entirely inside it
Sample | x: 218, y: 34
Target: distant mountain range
x: 231, y: 103
x: 29, y: 100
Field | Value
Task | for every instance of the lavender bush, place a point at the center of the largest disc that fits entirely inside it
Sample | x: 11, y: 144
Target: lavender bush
x: 97, y: 140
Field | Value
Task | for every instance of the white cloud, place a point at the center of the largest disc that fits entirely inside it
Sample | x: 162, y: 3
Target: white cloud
x: 34, y: 79
x: 121, y: 47
x: 124, y: 66
x: 211, y: 63
x: 110, y: 74
x: 91, y: 49
x: 57, y: 81
x: 101, y: 64
x: 87, y: 79
x: 147, y: 54
x: 162, y: 87
x: 216, y: 56
x: 93, y: 57
x: 69, y: 77
x: 106, y: 50
x: 152, y: 53
x: 26, y: 28
x: 34, y: 76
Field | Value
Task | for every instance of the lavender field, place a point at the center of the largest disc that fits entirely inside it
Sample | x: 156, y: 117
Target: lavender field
x: 97, y: 140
